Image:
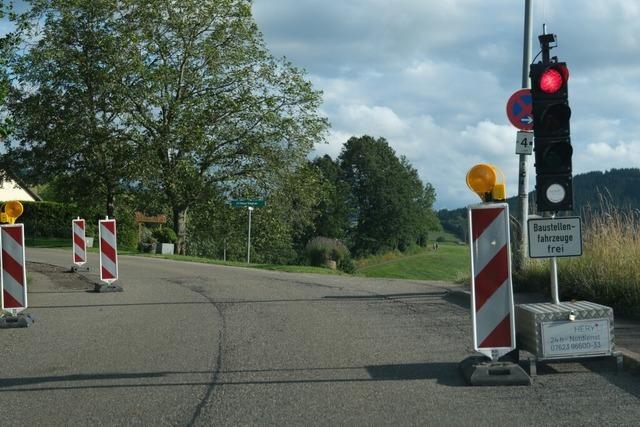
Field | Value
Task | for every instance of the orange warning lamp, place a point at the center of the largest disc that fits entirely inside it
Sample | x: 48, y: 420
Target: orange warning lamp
x: 11, y: 211
x: 481, y: 179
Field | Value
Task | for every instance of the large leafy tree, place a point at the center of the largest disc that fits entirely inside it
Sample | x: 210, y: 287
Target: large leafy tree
x: 67, y: 101
x: 6, y: 44
x: 177, y: 99
x: 334, y: 210
x: 213, y: 107
x: 393, y: 209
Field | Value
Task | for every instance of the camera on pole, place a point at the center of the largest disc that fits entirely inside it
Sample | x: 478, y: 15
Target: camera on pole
x: 552, y: 136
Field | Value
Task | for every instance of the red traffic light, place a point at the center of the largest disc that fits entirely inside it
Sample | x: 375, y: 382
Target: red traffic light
x: 551, y: 80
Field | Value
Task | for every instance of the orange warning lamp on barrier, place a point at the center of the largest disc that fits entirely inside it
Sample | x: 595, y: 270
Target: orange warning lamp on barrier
x: 481, y: 179
x: 11, y: 211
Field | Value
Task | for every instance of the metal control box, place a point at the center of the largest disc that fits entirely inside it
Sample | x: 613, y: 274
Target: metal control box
x: 566, y: 330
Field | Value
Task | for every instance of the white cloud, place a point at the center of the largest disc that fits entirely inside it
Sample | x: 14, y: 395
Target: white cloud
x: 433, y: 78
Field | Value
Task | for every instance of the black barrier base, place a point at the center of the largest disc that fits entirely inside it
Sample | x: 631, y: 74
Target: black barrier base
x: 480, y: 370
x: 17, y: 321
x: 101, y: 288
x: 76, y: 268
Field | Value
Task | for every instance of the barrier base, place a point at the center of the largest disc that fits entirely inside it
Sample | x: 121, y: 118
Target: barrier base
x: 481, y: 371
x: 17, y: 321
x: 77, y: 268
x: 101, y: 288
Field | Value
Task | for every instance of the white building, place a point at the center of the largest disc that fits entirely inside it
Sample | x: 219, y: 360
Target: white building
x: 11, y: 189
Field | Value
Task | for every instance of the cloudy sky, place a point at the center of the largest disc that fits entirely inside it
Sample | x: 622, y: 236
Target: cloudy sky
x: 433, y: 78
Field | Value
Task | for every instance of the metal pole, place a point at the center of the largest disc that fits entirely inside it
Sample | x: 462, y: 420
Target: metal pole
x: 249, y: 238
x: 554, y: 281
x: 554, y: 276
x: 523, y: 196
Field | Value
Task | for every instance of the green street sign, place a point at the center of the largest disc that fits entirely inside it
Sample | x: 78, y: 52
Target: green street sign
x: 247, y: 202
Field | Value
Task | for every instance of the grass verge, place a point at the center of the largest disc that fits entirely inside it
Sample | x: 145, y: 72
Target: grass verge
x: 448, y: 263
x: 273, y: 267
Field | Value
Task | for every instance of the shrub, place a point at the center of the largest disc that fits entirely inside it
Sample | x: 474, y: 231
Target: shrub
x: 165, y: 235
x: 320, y: 250
x: 147, y: 241
x: 47, y: 219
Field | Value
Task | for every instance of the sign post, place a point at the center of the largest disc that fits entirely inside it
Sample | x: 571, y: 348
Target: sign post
x: 250, y: 208
x: 13, y: 280
x: 250, y: 204
x: 552, y: 238
x: 492, y: 309
x: 491, y: 287
x: 79, y: 239
x: 108, y: 256
x: 562, y: 330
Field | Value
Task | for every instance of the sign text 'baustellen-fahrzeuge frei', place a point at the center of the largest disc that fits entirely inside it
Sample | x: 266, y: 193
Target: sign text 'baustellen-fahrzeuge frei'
x: 555, y: 237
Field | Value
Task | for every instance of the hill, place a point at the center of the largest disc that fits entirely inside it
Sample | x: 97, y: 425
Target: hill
x: 619, y: 188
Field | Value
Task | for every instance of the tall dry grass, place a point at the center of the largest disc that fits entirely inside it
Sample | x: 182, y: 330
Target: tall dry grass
x: 608, y: 272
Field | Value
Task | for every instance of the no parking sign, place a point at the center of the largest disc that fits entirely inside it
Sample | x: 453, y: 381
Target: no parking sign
x: 520, y: 109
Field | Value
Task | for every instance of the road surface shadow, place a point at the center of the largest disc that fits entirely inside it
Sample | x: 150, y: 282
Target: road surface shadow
x: 15, y: 382
x: 445, y: 373
x: 459, y: 299
x: 416, y: 295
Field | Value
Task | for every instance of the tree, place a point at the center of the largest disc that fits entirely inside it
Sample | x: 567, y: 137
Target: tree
x: 334, y: 210
x: 213, y: 107
x: 68, y: 104
x: 6, y: 45
x: 280, y: 229
x: 393, y: 207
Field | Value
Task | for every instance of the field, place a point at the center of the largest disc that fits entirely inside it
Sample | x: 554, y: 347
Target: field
x: 449, y: 262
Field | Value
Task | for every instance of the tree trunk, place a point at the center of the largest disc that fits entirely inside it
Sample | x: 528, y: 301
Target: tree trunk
x: 111, y: 204
x: 180, y: 227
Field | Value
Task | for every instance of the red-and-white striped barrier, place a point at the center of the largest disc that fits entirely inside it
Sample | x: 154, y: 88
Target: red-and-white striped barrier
x: 492, y: 292
x: 79, y: 241
x: 13, y: 280
x: 108, y: 251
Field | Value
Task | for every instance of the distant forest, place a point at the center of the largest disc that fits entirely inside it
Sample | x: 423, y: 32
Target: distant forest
x: 619, y: 188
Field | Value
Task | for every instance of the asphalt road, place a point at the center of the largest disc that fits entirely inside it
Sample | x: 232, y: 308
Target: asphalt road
x: 194, y: 344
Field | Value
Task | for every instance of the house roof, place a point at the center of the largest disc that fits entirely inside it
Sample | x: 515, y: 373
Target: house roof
x: 10, y: 176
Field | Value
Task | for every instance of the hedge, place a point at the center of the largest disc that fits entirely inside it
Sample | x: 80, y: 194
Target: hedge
x: 47, y: 219
x: 53, y: 220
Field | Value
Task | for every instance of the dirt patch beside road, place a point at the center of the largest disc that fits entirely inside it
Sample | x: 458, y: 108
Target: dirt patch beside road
x: 59, y: 277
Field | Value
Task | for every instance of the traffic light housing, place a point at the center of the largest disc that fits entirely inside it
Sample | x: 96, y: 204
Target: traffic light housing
x: 552, y: 136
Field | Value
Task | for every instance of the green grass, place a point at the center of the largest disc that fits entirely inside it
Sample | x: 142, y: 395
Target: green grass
x: 47, y: 242
x: 273, y: 267
x: 449, y: 263
x: 448, y: 237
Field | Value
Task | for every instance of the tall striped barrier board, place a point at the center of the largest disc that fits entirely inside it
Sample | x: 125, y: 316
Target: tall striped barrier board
x: 79, y: 241
x: 108, y: 251
x: 13, y: 280
x: 492, y: 292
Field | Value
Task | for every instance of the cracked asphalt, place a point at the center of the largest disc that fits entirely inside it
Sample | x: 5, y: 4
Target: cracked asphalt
x: 194, y: 344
